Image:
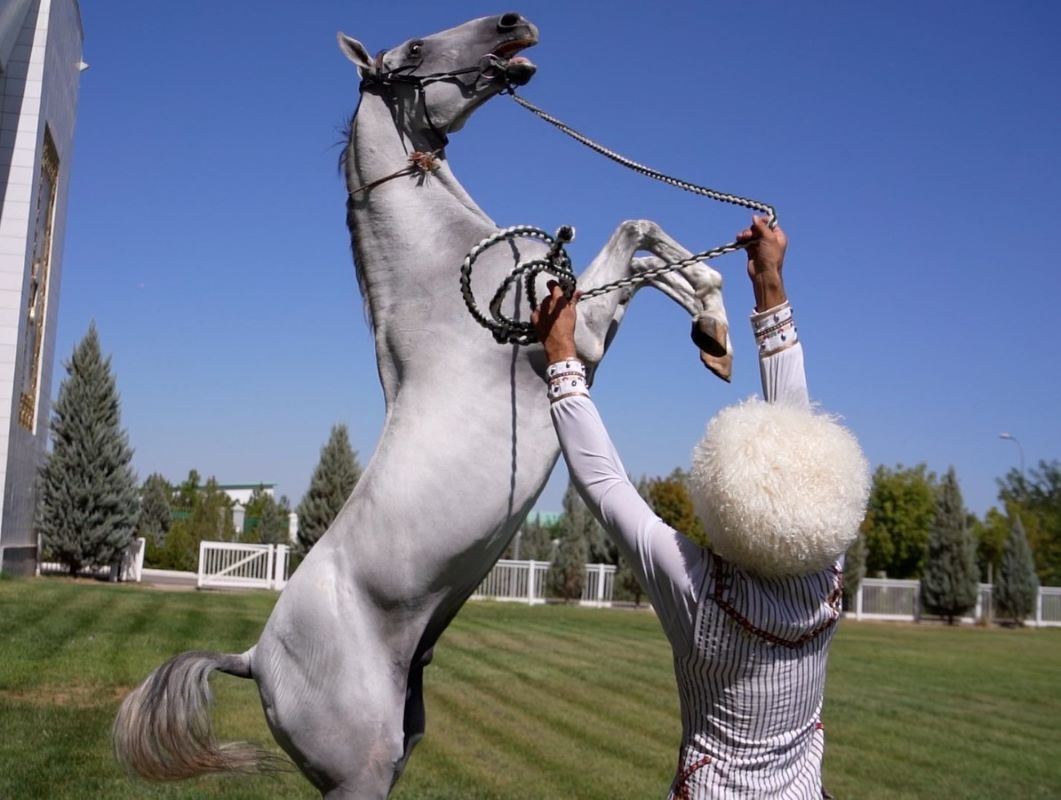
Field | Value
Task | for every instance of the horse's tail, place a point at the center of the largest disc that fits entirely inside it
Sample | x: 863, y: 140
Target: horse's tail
x: 163, y: 729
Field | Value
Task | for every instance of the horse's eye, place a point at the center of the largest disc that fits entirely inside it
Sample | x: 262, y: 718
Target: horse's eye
x: 416, y: 49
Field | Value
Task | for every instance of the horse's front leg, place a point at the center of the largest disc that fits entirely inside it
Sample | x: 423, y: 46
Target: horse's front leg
x: 697, y: 288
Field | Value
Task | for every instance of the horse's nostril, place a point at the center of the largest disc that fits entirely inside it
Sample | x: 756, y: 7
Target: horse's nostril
x: 509, y: 21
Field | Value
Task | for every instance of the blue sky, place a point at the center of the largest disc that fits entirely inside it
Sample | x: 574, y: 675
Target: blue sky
x: 910, y: 148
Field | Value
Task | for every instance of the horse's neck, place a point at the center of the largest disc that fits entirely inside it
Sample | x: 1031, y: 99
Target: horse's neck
x: 408, y: 228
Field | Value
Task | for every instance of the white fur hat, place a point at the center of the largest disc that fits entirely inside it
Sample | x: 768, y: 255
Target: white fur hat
x: 779, y: 488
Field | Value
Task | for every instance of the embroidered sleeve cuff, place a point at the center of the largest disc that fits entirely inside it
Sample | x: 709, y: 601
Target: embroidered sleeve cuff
x: 775, y: 330
x: 566, y: 378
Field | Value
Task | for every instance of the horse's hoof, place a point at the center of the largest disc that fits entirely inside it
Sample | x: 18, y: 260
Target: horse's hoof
x: 710, y: 335
x: 722, y: 367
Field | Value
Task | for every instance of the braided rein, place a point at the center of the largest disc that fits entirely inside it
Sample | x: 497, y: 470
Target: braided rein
x: 557, y: 263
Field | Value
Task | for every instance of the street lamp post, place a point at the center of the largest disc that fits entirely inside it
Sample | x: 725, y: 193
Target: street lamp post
x: 1012, y: 438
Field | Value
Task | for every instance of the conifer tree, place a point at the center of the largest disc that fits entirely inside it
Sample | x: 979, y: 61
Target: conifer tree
x: 266, y: 518
x: 578, y: 520
x: 333, y: 480
x: 950, y: 580
x: 88, y: 505
x: 568, y: 569
x: 579, y: 533
x: 1018, y: 585
x: 156, y: 515
x: 535, y: 541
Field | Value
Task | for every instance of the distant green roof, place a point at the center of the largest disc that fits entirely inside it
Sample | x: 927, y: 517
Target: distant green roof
x: 544, y: 517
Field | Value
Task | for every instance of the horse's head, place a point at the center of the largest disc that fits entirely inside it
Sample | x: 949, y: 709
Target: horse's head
x: 437, y: 81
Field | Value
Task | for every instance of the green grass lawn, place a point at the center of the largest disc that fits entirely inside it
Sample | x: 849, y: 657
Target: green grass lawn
x: 544, y: 702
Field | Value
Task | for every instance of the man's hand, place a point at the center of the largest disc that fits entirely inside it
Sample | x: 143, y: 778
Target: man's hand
x: 766, y: 259
x: 554, y: 322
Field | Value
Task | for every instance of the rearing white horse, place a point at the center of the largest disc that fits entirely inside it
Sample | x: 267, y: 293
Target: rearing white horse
x: 467, y: 444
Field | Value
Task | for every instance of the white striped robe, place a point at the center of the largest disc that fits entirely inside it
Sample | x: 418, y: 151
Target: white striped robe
x: 749, y: 653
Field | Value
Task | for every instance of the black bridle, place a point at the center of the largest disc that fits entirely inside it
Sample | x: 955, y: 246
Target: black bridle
x: 489, y: 66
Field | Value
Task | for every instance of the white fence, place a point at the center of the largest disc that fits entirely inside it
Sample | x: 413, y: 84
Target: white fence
x: 598, y: 585
x: 524, y: 582
x: 518, y: 581
x: 132, y: 565
x: 890, y: 599
x: 231, y: 565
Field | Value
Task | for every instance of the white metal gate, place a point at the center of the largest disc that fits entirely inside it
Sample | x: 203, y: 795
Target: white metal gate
x: 242, y: 566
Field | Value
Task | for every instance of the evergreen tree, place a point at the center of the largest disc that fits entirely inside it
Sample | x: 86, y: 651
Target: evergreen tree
x: 535, y: 541
x: 333, y: 480
x: 1018, y: 586
x: 1036, y: 497
x: 188, y: 491
x: 156, y: 516
x: 579, y: 534
x: 202, y: 513
x: 88, y: 504
x: 854, y: 570
x: 266, y: 519
x: 568, y: 569
x: 950, y: 581
x: 577, y: 520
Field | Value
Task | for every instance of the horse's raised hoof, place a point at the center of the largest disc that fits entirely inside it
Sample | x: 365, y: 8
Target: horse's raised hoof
x: 711, y: 336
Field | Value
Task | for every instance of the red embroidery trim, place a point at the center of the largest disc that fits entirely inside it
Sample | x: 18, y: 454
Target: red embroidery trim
x: 681, y: 789
x: 834, y: 600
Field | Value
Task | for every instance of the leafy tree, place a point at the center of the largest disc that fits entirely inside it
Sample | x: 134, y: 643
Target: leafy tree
x: 1018, y: 587
x: 1036, y: 498
x: 854, y: 569
x: 991, y: 535
x: 333, y: 480
x: 670, y: 499
x: 155, y: 512
x: 899, y: 515
x: 88, y: 504
x: 950, y: 581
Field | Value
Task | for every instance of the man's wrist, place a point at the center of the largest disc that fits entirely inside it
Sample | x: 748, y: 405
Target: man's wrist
x: 769, y: 290
x: 775, y: 329
x: 565, y: 378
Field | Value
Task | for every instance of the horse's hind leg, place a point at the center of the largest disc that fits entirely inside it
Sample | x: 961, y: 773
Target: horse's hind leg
x: 338, y: 715
x: 415, y: 720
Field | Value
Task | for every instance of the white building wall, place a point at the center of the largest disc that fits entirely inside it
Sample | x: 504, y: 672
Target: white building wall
x: 38, y: 91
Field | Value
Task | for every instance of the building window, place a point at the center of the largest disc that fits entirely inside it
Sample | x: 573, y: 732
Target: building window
x: 40, y: 268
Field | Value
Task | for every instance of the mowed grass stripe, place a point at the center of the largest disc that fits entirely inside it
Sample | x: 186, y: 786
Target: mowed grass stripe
x: 561, y: 710
x: 551, y: 754
x: 577, y: 693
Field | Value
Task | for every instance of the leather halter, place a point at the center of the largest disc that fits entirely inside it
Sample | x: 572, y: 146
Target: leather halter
x: 488, y: 64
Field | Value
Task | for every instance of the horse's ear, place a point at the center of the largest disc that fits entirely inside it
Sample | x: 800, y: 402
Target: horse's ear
x: 355, y: 51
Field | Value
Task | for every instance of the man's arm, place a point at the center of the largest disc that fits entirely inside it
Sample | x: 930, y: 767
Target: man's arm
x: 780, y: 354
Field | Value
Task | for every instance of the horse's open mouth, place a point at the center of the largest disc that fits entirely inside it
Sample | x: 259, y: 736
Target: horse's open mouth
x: 517, y: 70
x: 509, y: 49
